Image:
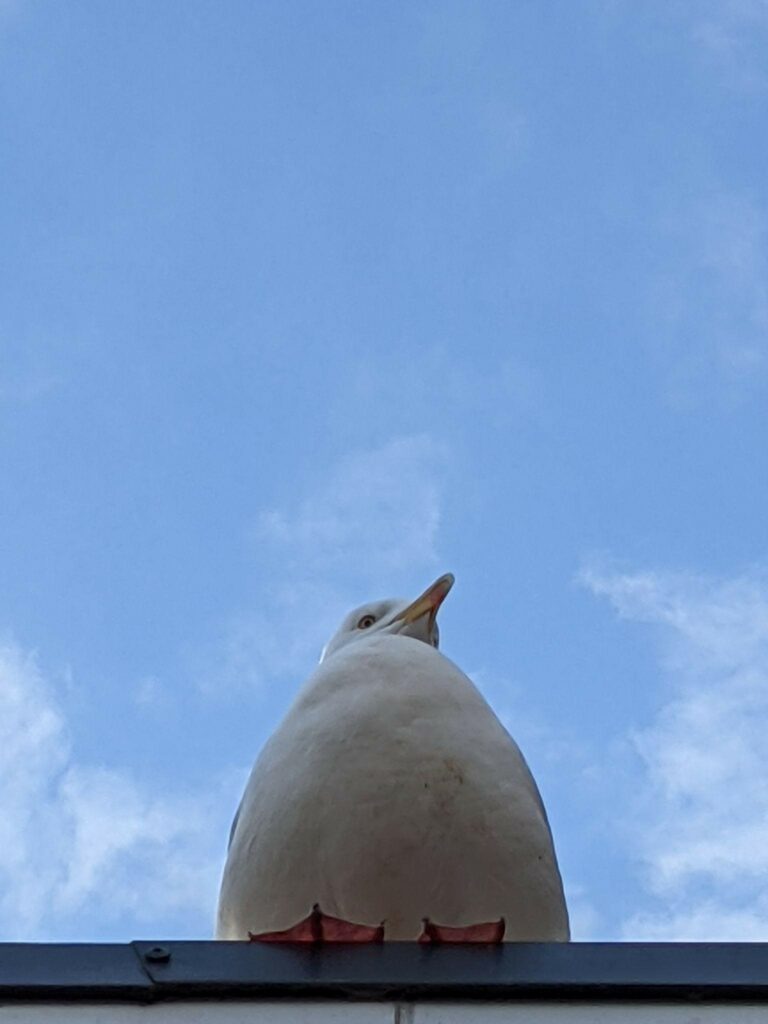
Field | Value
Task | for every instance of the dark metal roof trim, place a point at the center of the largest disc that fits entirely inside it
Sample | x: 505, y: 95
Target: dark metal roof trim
x: 146, y: 972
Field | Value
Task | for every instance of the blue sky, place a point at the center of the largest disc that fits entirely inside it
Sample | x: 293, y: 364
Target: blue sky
x: 305, y: 304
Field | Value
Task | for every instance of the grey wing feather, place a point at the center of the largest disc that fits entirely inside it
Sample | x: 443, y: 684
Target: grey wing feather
x: 531, y: 781
x: 234, y: 825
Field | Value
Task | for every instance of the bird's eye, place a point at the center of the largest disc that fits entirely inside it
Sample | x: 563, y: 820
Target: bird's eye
x: 366, y: 622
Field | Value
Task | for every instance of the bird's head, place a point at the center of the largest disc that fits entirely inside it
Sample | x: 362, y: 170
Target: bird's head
x: 394, y: 617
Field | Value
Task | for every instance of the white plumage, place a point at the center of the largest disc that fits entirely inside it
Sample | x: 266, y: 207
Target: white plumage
x: 391, y: 792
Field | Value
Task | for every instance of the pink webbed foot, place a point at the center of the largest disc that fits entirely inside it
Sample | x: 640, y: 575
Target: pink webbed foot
x: 318, y: 927
x: 491, y: 931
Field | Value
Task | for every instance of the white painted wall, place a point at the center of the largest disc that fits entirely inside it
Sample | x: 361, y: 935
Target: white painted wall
x: 286, y: 1012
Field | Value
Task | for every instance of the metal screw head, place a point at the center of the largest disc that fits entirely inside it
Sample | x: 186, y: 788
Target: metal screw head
x: 158, y: 955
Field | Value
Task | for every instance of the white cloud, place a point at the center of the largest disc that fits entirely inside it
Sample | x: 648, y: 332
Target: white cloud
x: 28, y: 369
x: 85, y: 841
x: 26, y: 389
x: 728, y: 37
x: 370, y: 526
x: 551, y: 751
x: 280, y: 638
x: 707, y: 922
x: 150, y: 694
x: 732, y: 35
x: 431, y: 387
x: 585, y: 919
x: 377, y: 514
x: 701, y: 818
x: 10, y: 7
x: 554, y: 754
x: 710, y: 306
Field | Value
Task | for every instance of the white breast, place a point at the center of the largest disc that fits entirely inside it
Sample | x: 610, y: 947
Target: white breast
x: 391, y: 792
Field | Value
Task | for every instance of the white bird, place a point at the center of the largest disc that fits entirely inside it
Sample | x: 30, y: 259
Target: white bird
x: 391, y: 793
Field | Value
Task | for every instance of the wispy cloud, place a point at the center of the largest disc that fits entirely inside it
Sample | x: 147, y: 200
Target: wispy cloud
x: 732, y: 36
x: 371, y: 524
x: 493, y: 392
x: 710, y: 306
x: 701, y: 819
x: 727, y: 37
x: 82, y: 842
x: 586, y: 920
x: 29, y: 367
x: 711, y: 921
x: 27, y: 389
x: 377, y: 514
x: 553, y: 754
x: 10, y: 7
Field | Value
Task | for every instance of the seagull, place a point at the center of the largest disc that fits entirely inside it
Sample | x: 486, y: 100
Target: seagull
x: 391, y: 803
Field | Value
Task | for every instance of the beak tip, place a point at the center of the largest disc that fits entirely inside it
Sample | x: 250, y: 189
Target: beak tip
x: 430, y: 600
x: 440, y: 589
x: 446, y: 582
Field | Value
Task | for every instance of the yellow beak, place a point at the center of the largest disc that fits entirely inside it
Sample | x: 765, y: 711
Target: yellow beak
x: 429, y: 601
